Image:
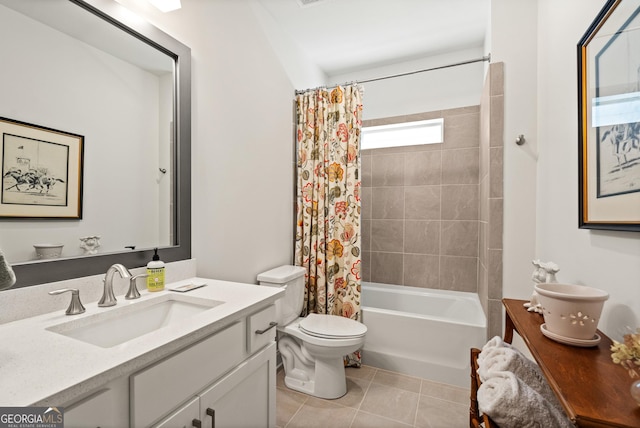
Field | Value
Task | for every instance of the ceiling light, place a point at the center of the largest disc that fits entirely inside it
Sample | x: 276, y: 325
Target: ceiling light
x: 166, y: 5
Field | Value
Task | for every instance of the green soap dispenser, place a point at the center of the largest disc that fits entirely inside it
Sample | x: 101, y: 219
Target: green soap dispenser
x: 155, y: 272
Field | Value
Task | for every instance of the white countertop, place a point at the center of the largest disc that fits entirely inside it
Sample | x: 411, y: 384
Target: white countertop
x: 44, y: 368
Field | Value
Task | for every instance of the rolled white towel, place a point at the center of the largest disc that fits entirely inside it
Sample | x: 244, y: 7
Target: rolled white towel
x: 512, y: 403
x: 495, y: 342
x: 512, y: 360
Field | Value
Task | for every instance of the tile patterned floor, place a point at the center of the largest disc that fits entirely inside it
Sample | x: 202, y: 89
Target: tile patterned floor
x: 376, y: 398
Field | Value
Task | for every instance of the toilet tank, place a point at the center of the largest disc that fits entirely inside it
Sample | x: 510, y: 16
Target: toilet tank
x: 291, y: 278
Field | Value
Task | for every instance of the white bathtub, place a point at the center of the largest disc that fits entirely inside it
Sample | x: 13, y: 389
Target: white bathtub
x: 422, y: 332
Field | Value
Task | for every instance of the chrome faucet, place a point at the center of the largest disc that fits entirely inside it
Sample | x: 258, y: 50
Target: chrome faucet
x: 108, y: 298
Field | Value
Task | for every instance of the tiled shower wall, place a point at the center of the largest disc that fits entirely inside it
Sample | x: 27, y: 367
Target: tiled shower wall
x: 433, y: 214
x: 420, y: 206
x: 491, y: 197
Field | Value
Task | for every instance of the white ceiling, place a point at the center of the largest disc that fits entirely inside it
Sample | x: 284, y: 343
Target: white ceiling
x: 341, y: 36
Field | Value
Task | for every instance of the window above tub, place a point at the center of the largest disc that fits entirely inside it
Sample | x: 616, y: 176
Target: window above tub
x: 403, y: 134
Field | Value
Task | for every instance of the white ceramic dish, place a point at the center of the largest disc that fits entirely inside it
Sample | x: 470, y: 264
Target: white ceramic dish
x: 569, y: 341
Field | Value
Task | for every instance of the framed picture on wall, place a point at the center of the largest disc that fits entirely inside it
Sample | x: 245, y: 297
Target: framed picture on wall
x: 41, y: 171
x: 609, y: 119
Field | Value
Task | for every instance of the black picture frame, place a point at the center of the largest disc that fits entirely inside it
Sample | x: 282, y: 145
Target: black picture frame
x: 609, y: 119
x: 42, y: 171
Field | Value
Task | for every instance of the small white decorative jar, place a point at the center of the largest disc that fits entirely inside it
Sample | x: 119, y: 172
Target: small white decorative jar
x: 48, y: 251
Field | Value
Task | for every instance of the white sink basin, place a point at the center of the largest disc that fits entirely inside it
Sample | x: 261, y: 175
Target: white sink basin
x: 115, y: 326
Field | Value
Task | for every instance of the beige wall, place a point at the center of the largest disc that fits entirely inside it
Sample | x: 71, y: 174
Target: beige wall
x: 242, y: 148
x: 420, y: 207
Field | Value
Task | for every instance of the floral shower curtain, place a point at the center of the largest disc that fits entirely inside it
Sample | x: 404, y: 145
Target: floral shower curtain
x: 328, y: 124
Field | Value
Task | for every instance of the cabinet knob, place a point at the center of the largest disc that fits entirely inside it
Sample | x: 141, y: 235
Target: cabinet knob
x: 196, y: 423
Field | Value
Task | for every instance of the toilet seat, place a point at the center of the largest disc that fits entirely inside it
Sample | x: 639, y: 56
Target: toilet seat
x: 332, y: 327
x: 293, y: 329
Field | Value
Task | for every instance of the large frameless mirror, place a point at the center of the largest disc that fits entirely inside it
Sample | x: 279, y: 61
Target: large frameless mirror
x: 90, y: 69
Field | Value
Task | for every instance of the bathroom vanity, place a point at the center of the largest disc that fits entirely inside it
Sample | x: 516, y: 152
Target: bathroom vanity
x: 212, y: 361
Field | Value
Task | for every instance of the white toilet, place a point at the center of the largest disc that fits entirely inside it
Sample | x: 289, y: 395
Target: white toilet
x: 312, y: 348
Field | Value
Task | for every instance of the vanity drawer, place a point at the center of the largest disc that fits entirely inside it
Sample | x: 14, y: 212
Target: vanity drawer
x: 99, y: 409
x: 261, y: 328
x: 159, y: 389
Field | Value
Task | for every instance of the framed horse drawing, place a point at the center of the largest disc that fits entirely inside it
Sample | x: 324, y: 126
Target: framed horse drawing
x: 609, y: 119
x: 41, y: 171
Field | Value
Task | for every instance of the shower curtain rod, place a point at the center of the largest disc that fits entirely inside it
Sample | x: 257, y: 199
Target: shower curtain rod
x: 471, y: 61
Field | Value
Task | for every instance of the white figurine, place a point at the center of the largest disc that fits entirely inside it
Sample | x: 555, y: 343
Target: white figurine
x: 90, y: 244
x: 543, y: 273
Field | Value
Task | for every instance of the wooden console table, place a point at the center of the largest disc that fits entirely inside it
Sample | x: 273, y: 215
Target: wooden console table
x: 592, y: 389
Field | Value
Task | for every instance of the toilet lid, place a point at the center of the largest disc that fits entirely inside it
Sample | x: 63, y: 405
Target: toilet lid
x: 332, y: 326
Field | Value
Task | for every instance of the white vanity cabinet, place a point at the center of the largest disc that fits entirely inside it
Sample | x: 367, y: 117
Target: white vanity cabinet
x: 186, y: 416
x: 245, y: 398
x: 170, y: 368
x: 224, y: 380
x: 106, y: 408
x: 229, y: 377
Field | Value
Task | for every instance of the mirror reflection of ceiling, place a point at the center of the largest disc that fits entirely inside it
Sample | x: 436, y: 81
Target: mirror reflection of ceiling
x: 373, y: 33
x: 119, y: 95
x: 72, y: 20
